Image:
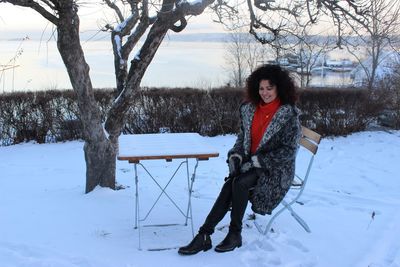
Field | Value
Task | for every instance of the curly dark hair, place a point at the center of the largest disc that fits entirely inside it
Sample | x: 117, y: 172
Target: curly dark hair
x: 277, y: 76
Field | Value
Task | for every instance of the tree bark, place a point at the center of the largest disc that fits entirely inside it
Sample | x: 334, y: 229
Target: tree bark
x: 100, y: 164
x: 100, y: 151
x: 116, y: 115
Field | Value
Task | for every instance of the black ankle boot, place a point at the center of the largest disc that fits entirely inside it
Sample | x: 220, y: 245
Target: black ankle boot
x: 200, y: 242
x: 232, y: 240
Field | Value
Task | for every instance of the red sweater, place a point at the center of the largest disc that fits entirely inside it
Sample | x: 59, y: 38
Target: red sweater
x: 262, y: 117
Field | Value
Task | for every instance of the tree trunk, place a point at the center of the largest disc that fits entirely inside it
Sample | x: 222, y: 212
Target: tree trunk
x: 100, y: 164
x: 100, y: 150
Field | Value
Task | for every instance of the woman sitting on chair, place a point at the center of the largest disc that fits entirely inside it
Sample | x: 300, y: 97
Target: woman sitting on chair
x: 262, y: 158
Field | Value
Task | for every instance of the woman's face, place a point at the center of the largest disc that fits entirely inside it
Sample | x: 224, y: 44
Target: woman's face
x: 267, y: 91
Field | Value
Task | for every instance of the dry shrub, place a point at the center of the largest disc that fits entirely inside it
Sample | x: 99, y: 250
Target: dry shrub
x: 53, y: 115
x: 339, y: 111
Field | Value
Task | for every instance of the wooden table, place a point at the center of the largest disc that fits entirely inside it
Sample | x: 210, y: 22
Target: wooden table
x: 166, y: 146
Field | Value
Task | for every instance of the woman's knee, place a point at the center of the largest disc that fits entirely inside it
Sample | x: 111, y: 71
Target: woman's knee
x: 245, y: 181
x: 239, y: 184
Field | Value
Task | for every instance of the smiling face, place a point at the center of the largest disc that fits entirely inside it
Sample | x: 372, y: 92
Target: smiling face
x: 267, y: 91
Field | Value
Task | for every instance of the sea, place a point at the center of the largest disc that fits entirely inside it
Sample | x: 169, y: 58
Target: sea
x: 31, y: 65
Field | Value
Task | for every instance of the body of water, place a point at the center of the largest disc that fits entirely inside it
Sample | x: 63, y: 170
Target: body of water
x: 39, y: 65
x: 33, y: 65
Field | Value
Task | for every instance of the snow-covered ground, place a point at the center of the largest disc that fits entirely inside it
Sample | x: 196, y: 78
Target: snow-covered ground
x: 351, y: 203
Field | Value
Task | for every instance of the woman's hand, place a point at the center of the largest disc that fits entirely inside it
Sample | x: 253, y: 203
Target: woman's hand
x: 252, y: 163
x: 234, y: 163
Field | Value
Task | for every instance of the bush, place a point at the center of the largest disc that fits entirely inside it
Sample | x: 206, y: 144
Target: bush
x: 390, y: 117
x: 53, y: 115
x: 340, y: 111
x: 37, y: 116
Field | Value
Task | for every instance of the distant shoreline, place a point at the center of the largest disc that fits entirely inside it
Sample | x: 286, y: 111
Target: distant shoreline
x: 187, y: 37
x: 176, y: 37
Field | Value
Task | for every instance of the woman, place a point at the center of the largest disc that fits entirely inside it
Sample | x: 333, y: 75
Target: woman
x: 262, y: 159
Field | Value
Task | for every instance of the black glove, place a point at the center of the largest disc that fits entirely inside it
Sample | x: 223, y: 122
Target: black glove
x: 234, y: 165
x: 248, y: 165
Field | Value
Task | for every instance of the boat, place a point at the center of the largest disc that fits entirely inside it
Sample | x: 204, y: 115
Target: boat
x: 343, y: 65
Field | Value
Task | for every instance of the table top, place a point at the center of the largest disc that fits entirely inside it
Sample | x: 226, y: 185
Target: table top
x: 166, y: 146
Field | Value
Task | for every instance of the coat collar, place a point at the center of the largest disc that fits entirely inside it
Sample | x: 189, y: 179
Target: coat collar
x: 284, y: 113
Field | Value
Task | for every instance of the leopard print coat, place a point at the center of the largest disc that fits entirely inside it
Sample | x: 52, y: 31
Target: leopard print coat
x: 276, y: 154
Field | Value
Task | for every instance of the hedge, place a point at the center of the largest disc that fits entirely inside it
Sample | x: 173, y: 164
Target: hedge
x: 50, y: 116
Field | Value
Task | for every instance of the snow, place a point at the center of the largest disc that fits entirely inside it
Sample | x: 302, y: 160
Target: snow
x: 118, y: 41
x: 193, y: 2
x: 351, y: 204
x: 163, y: 144
x: 120, y: 27
x: 388, y: 61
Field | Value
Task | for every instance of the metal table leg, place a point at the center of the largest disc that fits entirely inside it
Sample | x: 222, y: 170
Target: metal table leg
x: 188, y: 214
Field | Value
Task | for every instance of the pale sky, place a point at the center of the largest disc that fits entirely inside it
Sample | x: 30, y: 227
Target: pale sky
x: 40, y: 67
x: 16, y: 21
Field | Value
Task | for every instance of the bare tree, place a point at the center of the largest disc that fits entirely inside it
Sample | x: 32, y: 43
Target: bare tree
x: 242, y: 55
x: 374, y: 40
x: 311, y: 52
x: 150, y: 20
x: 285, y: 25
x: 101, y: 143
x: 268, y: 20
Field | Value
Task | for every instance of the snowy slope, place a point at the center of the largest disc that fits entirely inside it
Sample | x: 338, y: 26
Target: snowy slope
x: 351, y: 204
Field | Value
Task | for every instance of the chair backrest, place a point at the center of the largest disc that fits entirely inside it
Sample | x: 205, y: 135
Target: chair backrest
x: 310, y: 139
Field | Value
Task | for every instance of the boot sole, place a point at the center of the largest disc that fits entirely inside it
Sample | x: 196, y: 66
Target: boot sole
x: 187, y: 253
x: 226, y: 250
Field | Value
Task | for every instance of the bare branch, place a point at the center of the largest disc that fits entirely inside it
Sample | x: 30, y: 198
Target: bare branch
x: 266, y: 5
x: 145, y: 9
x: 167, y: 5
x: 35, y: 5
x: 133, y: 4
x: 184, y: 8
x: 125, y: 27
x: 360, y: 10
x: 376, y: 37
x: 116, y: 9
x: 135, y: 36
x: 224, y: 11
x: 256, y: 24
x: 262, y: 16
x: 313, y: 18
x: 180, y: 27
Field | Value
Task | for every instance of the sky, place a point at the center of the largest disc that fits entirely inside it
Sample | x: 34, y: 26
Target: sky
x: 12, y: 26
x: 36, y: 60
x: 351, y: 204
x: 93, y: 16
x: 40, y: 66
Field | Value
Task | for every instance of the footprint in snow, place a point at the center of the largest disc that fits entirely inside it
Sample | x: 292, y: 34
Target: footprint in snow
x: 297, y: 244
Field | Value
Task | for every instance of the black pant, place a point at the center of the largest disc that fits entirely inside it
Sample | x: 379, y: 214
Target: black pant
x: 235, y: 191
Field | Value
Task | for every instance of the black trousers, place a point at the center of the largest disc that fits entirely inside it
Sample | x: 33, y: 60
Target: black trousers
x: 235, y: 191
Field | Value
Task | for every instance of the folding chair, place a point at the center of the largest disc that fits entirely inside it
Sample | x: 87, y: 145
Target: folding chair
x: 310, y: 141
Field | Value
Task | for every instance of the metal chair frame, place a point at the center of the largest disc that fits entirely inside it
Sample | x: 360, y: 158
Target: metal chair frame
x: 310, y: 141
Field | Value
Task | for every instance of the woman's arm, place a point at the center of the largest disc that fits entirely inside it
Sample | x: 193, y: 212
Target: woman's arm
x: 238, y: 147
x: 236, y: 153
x: 286, y: 151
